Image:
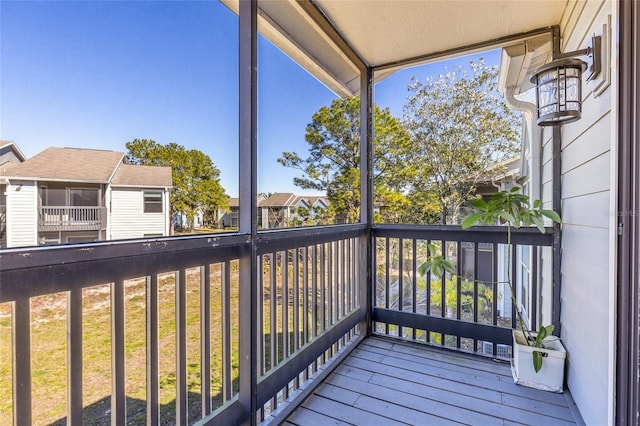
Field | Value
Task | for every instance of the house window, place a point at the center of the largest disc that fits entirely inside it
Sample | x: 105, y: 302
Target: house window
x: 83, y: 197
x: 53, y: 196
x: 152, y: 202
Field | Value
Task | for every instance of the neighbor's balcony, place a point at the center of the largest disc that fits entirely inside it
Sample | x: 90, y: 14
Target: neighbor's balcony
x: 66, y: 218
x: 163, y: 331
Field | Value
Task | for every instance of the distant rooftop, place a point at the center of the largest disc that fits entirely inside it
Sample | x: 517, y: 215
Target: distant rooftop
x: 86, y: 165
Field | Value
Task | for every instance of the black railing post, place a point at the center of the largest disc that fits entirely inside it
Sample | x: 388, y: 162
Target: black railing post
x: 248, y: 130
x: 366, y: 242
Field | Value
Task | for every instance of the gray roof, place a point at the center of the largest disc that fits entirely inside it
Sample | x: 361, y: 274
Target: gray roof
x: 147, y: 176
x: 70, y: 164
x: 86, y: 165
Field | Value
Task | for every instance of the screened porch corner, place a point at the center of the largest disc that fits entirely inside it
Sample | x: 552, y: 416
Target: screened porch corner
x: 186, y: 343
x: 387, y: 382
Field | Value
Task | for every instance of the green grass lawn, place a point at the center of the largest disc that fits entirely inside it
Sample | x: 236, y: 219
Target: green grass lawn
x: 49, y: 352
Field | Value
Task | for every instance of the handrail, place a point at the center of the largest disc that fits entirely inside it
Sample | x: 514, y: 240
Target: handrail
x: 453, y: 311
x: 488, y: 234
x: 310, y: 275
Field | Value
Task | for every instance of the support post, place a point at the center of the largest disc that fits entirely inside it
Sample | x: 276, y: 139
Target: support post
x: 248, y: 41
x: 366, y: 195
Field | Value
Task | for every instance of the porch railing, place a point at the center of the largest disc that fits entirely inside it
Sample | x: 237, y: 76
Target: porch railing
x: 67, y: 218
x: 471, y: 311
x: 174, y: 346
x: 187, y: 352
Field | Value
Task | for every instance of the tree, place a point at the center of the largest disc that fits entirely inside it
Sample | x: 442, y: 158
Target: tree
x: 334, y: 157
x: 196, y: 180
x: 460, y: 129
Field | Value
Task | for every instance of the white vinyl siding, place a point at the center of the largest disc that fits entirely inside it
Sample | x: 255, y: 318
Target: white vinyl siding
x: 22, y: 214
x: 127, y: 218
x: 587, y: 197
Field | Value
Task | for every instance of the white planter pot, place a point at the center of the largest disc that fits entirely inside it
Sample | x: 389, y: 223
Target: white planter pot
x: 551, y: 375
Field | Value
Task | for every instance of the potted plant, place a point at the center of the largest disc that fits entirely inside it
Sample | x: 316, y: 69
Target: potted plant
x: 538, y: 358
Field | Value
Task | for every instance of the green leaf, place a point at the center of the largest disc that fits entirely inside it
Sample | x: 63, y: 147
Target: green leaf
x: 436, y: 269
x: 551, y: 215
x: 509, y: 218
x: 448, y: 266
x: 479, y: 204
x: 424, y: 268
x: 472, y: 220
x: 537, y: 220
x: 537, y: 360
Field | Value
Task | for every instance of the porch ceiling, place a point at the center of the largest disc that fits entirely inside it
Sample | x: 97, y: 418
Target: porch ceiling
x: 384, y: 32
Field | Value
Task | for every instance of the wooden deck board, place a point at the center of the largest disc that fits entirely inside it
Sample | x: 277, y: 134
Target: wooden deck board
x: 384, y: 383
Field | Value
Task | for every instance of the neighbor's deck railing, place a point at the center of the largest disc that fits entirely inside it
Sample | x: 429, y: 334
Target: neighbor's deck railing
x: 67, y: 218
x: 309, y: 309
x: 471, y: 312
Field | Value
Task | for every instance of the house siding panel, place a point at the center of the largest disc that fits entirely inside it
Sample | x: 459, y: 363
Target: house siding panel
x: 127, y: 219
x: 587, y: 278
x: 22, y: 214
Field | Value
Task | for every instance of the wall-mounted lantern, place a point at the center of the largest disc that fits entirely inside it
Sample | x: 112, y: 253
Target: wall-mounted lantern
x: 559, y: 85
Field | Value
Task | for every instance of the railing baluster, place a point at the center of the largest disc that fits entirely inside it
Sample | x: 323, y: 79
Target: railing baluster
x: 182, y: 408
x: 22, y: 361
x: 476, y: 294
x: 296, y: 306
x: 494, y: 278
x: 459, y: 287
x: 285, y: 305
x: 428, y: 296
x: 296, y: 299
x: 512, y: 272
x: 400, y: 279
x: 205, y: 338
x: 330, y: 283
x: 273, y: 311
x: 343, y: 278
x: 227, y: 383
x: 414, y: 283
x: 323, y: 282
x: 305, y: 297
x: 153, y: 365
x: 314, y: 296
x: 118, y: 390
x: 387, y: 279
x: 74, y: 353
x: 314, y: 291
x: 533, y: 282
x: 260, y: 344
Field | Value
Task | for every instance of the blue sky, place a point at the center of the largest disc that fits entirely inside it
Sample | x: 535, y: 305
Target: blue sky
x: 97, y: 74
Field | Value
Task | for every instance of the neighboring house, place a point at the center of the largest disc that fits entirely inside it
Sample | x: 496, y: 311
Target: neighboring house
x: 181, y: 221
x: 9, y: 153
x: 508, y: 176
x: 231, y: 217
x: 279, y: 210
x: 285, y: 209
x: 67, y: 195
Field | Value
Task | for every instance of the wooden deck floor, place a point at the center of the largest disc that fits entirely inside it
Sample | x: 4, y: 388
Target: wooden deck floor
x: 387, y: 383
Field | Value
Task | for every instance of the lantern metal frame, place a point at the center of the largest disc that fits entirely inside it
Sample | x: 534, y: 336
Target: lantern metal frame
x: 559, y: 85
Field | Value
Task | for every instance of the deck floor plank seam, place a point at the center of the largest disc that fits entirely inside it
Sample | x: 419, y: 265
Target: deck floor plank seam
x: 389, y: 383
x: 494, y: 383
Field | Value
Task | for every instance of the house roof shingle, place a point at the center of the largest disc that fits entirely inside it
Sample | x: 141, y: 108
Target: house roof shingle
x: 279, y: 199
x: 148, y: 176
x: 68, y: 164
x: 87, y: 165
